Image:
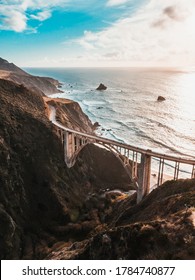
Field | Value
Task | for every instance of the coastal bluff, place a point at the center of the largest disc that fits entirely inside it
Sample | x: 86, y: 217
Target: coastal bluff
x: 49, y: 211
x: 42, y: 85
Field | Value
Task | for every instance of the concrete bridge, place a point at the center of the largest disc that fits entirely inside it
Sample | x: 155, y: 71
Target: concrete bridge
x: 137, y: 162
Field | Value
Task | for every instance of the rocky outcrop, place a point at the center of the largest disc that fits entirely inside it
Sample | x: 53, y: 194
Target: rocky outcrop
x: 69, y: 114
x: 41, y: 85
x: 96, y: 125
x: 161, y: 98
x: 101, y: 87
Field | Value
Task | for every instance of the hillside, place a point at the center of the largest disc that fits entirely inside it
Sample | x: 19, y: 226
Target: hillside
x: 10, y: 67
x: 162, y: 226
x: 41, y: 85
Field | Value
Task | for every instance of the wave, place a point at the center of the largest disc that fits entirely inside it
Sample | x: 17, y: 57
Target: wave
x: 128, y: 107
x: 170, y: 130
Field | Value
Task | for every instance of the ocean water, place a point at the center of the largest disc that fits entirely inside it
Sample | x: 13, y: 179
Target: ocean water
x: 128, y: 110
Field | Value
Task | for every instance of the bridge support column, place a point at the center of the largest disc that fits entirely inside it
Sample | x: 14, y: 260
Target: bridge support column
x: 144, y: 177
x: 66, y: 154
x: 68, y: 146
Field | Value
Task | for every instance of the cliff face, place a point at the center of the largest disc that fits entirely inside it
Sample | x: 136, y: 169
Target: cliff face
x: 69, y: 114
x: 30, y: 184
x: 42, y: 202
x: 41, y: 85
x: 37, y: 191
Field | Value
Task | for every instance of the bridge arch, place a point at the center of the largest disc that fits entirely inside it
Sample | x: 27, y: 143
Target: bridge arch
x: 74, y: 141
x: 125, y: 162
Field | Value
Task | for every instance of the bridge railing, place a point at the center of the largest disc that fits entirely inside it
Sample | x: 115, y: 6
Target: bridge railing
x: 147, y: 169
x: 155, y: 170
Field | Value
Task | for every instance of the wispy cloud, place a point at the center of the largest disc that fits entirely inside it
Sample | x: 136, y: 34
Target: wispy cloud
x: 14, y: 20
x: 161, y: 32
x: 141, y: 32
x: 15, y: 14
x: 41, y: 16
x: 171, y: 13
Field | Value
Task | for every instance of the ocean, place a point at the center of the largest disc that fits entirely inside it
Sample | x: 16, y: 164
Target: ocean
x: 128, y: 111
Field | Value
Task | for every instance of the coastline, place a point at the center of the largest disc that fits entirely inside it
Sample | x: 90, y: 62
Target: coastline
x: 154, y: 173
x: 135, y: 116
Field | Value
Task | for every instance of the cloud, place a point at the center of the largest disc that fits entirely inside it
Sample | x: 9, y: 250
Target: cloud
x: 169, y: 14
x: 116, y: 2
x: 41, y: 16
x: 113, y: 54
x: 14, y: 20
x: 172, y: 12
x: 39, y: 10
x: 15, y: 14
x: 134, y: 40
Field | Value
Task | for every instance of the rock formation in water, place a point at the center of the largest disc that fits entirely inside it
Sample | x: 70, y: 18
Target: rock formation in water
x: 161, y: 98
x: 101, y: 87
x: 41, y: 85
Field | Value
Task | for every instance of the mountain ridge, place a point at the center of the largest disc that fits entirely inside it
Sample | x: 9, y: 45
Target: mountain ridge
x: 42, y: 85
x: 11, y: 67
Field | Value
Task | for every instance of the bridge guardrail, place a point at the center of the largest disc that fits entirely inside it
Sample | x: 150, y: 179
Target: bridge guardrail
x: 139, y: 163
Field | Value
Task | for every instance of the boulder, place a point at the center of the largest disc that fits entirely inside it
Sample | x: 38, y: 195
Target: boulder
x: 96, y: 124
x: 161, y: 98
x: 101, y: 87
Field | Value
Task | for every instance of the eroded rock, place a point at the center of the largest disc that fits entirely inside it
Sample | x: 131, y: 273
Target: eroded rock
x: 161, y: 98
x: 101, y: 87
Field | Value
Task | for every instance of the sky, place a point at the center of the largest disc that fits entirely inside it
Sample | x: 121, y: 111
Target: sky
x: 98, y: 33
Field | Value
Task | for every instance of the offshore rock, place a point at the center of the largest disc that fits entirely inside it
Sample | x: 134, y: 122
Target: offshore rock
x: 101, y: 87
x: 96, y: 125
x: 161, y: 98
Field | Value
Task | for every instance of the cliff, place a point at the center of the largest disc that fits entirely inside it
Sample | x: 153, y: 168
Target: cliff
x: 69, y: 114
x: 41, y: 85
x: 42, y: 202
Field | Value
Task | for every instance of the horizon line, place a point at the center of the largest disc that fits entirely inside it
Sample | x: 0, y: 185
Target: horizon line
x: 129, y: 67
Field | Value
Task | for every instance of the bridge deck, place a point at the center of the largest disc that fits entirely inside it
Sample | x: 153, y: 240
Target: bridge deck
x: 137, y: 161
